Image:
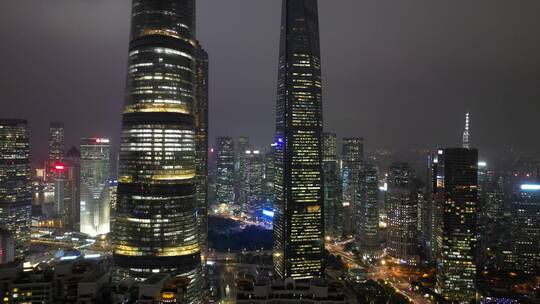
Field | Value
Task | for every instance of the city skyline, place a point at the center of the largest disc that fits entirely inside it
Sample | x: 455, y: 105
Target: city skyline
x: 417, y: 180
x: 495, y: 80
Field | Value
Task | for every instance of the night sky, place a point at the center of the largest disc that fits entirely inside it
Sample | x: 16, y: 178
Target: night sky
x: 401, y: 74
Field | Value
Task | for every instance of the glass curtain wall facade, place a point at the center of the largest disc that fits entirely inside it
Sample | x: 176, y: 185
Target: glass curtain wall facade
x: 94, y: 174
x: 201, y: 144
x: 299, y: 207
x: 56, y: 143
x: 367, y: 235
x: 333, y: 215
x: 455, y: 195
x: 225, y: 171
x: 353, y: 154
x: 15, y: 186
x: 402, y: 202
x: 156, y: 213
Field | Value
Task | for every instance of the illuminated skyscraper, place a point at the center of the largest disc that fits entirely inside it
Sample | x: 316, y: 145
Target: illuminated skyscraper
x: 299, y: 215
x: 402, y: 202
x: 95, y: 172
x: 252, y: 182
x: 56, y: 144
x: 525, y: 210
x: 65, y: 193
x: 333, y: 215
x: 456, y: 195
x: 156, y: 216
x: 242, y: 145
x: 200, y: 110
x: 353, y: 153
x: 225, y: 170
x: 15, y: 186
x: 367, y: 235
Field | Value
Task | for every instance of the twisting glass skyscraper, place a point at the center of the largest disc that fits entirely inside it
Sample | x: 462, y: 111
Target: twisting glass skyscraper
x: 156, y: 217
x: 299, y: 216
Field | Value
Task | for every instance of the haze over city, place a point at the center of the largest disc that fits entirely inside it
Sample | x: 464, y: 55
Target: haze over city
x: 400, y: 74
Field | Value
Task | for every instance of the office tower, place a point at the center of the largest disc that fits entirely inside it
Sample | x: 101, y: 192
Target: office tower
x: 94, y: 174
x: 525, y: 211
x: 269, y: 172
x: 200, y: 110
x: 252, y: 183
x: 428, y: 238
x: 368, y: 212
x: 242, y: 145
x: 466, y: 135
x: 15, y: 186
x: 225, y: 171
x: 456, y: 181
x: 299, y: 215
x: 72, y: 160
x: 333, y: 215
x: 56, y: 145
x: 353, y: 153
x: 402, y: 202
x: 113, y: 199
x: 156, y: 216
x: 64, y: 194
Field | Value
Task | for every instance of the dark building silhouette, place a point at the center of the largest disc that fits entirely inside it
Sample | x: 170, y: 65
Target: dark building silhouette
x: 455, y: 195
x: 200, y: 110
x: 299, y: 214
x: 156, y: 223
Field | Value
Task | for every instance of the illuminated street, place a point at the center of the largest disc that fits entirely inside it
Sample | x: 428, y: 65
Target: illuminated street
x: 397, y: 279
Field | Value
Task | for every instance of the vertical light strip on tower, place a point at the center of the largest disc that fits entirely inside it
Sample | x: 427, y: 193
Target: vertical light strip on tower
x: 299, y: 216
x: 466, y: 135
x: 156, y: 220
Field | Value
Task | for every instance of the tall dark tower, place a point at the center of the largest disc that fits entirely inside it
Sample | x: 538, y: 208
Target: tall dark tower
x: 156, y: 214
x: 455, y: 196
x: 299, y: 216
x: 200, y: 110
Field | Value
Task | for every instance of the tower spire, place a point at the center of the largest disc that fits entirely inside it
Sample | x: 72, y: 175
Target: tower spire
x: 466, y: 135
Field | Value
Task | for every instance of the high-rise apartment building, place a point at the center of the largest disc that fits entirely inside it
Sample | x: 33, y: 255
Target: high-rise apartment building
x: 456, y: 183
x: 94, y: 174
x: 225, y: 170
x: 367, y: 236
x: 156, y: 224
x: 299, y: 206
x: 15, y: 186
x: 333, y: 207
x: 402, y: 202
x: 352, y: 156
